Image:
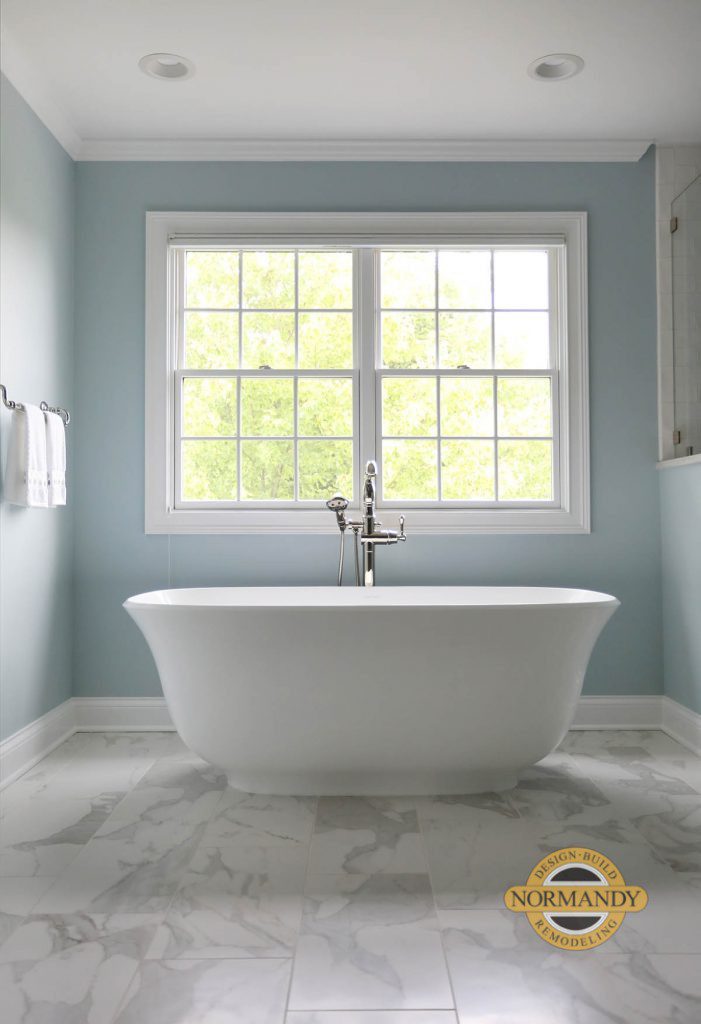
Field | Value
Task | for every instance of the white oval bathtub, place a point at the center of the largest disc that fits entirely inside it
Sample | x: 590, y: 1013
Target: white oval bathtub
x: 385, y: 690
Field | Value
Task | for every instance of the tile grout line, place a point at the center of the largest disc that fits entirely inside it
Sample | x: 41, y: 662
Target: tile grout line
x: 293, y: 959
x: 424, y: 846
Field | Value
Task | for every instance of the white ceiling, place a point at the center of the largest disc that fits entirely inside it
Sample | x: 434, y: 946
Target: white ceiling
x: 365, y: 69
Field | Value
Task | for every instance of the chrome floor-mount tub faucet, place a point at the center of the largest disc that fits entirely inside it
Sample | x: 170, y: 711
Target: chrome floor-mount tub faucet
x: 366, y: 531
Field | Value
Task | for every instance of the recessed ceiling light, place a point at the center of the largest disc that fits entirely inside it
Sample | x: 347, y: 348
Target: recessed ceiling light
x: 166, y: 65
x: 555, y: 67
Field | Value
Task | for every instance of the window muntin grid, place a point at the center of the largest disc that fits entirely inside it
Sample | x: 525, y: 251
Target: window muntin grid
x: 268, y: 353
x: 445, y: 317
x: 506, y: 460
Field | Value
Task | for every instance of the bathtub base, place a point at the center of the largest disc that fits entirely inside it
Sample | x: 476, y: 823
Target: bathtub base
x: 382, y: 784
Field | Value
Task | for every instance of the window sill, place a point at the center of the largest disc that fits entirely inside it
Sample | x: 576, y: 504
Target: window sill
x: 419, y: 521
x: 683, y: 460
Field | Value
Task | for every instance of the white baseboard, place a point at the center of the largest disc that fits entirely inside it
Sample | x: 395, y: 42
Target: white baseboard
x: 618, y: 712
x: 681, y: 724
x: 122, y: 714
x: 20, y: 752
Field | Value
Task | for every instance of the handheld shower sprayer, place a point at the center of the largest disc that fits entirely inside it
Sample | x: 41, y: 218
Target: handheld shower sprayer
x: 339, y: 504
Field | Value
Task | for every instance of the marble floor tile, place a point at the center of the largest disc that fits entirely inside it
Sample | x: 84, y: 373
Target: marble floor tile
x: 236, y: 902
x: 675, y: 836
x: 617, y: 744
x: 630, y: 782
x: 207, y: 992
x: 663, y: 757
x: 173, y: 791
x: 669, y: 924
x: 369, y: 943
x: 366, y: 835
x: 58, y: 758
x: 249, y: 818
x: 371, y: 1017
x: 173, y: 898
x: 505, y: 987
x: 18, y: 896
x: 555, y: 791
x: 77, y: 781
x: 94, y: 764
x: 471, y: 864
x: 70, y: 970
x: 111, y: 745
x: 132, y: 866
x: 42, y: 836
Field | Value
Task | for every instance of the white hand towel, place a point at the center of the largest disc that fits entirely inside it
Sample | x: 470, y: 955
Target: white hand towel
x: 56, y: 458
x: 26, y: 478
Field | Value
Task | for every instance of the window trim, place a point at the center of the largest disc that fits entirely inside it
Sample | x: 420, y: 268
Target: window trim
x: 566, y: 229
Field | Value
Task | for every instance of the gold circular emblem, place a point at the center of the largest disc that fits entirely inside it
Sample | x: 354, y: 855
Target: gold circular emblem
x: 575, y: 898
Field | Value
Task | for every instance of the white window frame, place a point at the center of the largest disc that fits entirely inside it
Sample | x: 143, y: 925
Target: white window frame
x: 566, y: 231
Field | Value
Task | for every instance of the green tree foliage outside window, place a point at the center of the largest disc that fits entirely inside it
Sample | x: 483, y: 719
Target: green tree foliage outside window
x: 452, y: 438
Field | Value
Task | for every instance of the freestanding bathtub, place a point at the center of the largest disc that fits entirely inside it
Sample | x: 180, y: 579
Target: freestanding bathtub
x: 385, y: 690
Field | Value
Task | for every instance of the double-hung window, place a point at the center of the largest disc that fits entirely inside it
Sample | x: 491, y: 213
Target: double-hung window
x: 285, y: 350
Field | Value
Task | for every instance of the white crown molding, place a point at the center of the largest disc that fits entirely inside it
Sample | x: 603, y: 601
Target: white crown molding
x: 407, y: 150
x: 36, y: 93
x: 20, y: 752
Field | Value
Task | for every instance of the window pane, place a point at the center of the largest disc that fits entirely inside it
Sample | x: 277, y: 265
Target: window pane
x: 525, y: 470
x: 408, y: 406
x: 212, y: 279
x: 325, y: 341
x: 267, y: 407
x: 465, y: 279
x: 409, y: 470
x: 325, y: 406
x: 409, y: 340
x: 465, y: 339
x: 269, y: 340
x: 467, y: 406
x: 408, y: 280
x: 269, y: 280
x: 325, y: 467
x: 522, y: 341
x: 326, y: 280
x: 211, y: 341
x: 520, y: 280
x: 208, y: 471
x: 467, y: 470
x: 524, y: 407
x: 209, y: 406
x: 267, y: 471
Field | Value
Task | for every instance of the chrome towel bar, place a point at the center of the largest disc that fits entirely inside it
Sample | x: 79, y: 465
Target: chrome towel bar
x: 63, y: 413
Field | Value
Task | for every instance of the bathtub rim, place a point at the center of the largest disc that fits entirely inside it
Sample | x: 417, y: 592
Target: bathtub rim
x: 329, y: 597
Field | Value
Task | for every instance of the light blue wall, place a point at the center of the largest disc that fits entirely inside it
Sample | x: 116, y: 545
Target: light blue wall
x: 680, y: 500
x: 36, y: 362
x: 115, y: 559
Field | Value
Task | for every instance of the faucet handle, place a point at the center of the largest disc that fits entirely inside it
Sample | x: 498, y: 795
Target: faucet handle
x: 402, y: 535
